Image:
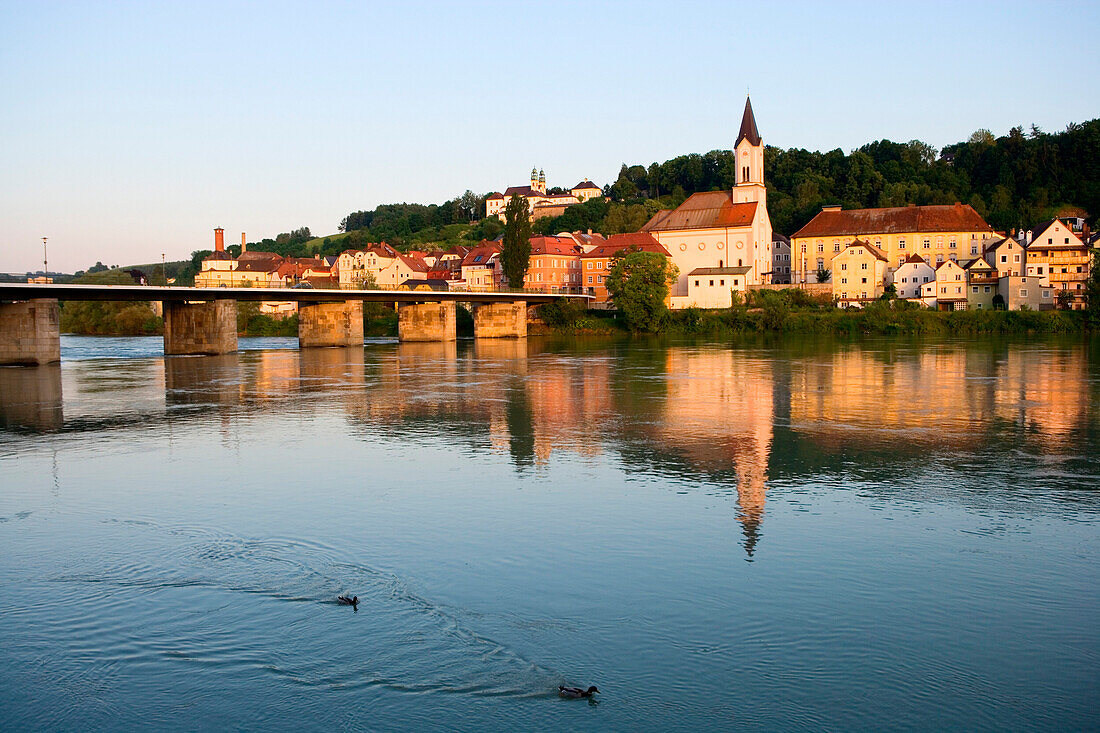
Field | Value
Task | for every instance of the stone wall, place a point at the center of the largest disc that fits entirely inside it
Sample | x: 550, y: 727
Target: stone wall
x: 426, y: 322
x: 330, y: 324
x: 200, y: 328
x: 500, y: 320
x: 30, y: 332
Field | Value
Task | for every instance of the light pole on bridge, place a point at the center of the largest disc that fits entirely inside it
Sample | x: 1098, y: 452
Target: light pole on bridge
x: 45, y: 265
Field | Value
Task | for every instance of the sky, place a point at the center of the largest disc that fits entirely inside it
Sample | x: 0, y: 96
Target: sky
x: 132, y: 130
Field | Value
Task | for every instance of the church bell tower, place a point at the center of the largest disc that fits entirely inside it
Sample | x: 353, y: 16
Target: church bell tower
x: 749, y: 151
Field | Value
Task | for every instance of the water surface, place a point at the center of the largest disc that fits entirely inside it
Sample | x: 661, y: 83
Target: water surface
x: 772, y: 535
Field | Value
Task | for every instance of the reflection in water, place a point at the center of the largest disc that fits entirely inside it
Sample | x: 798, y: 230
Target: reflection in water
x: 30, y: 398
x: 516, y: 515
x: 705, y: 415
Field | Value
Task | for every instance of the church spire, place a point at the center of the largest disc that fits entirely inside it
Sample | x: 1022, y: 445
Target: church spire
x: 748, y: 126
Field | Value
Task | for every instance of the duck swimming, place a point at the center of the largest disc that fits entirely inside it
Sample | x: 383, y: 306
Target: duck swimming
x: 348, y: 601
x: 576, y: 693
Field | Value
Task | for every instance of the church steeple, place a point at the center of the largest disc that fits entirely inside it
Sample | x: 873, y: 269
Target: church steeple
x: 748, y: 126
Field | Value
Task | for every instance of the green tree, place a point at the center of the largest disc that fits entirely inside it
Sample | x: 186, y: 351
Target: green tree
x: 515, y: 251
x: 639, y: 285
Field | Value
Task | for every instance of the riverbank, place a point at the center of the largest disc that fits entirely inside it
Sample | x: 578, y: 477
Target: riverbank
x: 878, y: 319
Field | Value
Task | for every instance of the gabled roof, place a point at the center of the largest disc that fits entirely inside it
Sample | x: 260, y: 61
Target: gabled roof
x: 748, y: 126
x: 1042, y: 229
x: 894, y: 220
x: 618, y: 242
x: 554, y: 246
x: 707, y: 210
x: 872, y: 249
x: 414, y: 263
x: 495, y: 196
x: 521, y: 191
x: 218, y: 254
x: 998, y: 242
x: 485, y: 251
x: 978, y: 263
x: 585, y: 184
x: 947, y: 263
x: 915, y: 259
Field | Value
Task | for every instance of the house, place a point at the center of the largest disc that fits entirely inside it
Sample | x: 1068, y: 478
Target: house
x: 481, y: 268
x: 554, y: 265
x: 713, y: 287
x: 1057, y: 252
x: 1006, y: 254
x: 597, y: 262
x: 936, y: 233
x: 722, y: 228
x: 951, y: 287
x: 859, y: 273
x: 379, y: 262
x: 1030, y: 291
x: 909, y: 278
x: 781, y: 260
x: 981, y: 280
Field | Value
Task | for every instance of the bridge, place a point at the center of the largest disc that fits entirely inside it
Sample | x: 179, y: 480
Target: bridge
x: 204, y: 320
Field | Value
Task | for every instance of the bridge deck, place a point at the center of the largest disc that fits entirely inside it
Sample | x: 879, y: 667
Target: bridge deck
x: 27, y: 291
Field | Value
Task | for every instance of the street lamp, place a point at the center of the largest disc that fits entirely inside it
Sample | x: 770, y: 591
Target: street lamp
x: 45, y: 266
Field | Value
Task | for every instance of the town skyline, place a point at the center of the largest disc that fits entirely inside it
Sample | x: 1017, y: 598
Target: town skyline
x: 125, y: 148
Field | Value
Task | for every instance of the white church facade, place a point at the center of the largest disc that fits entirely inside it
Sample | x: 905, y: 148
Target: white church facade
x: 724, y: 234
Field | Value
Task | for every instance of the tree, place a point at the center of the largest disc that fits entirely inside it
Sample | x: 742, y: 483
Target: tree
x: 639, y: 285
x: 981, y: 137
x: 515, y: 251
x: 824, y: 275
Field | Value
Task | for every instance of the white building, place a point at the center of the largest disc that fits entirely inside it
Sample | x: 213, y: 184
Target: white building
x: 909, y: 278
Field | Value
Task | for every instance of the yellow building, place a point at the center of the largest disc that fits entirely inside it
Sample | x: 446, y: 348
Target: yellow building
x: 936, y: 233
x: 859, y: 273
x: 1059, y: 254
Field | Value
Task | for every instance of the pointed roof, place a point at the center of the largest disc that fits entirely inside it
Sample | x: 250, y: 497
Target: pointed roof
x: 748, y: 126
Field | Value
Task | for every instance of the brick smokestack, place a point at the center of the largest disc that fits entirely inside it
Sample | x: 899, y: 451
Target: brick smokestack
x: 244, y: 246
x: 219, y: 240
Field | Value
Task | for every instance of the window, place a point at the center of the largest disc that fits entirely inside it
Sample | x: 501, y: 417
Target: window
x: 863, y: 266
x: 820, y: 246
x: 599, y: 265
x: 1004, y: 258
x: 863, y: 280
x: 1023, y: 292
x: 712, y: 283
x: 952, y: 244
x: 599, y: 278
x: 927, y: 243
x: 721, y: 282
x: 843, y: 265
x: 820, y: 264
x: 1016, y: 258
x: 986, y: 289
x: 696, y: 283
x: 843, y: 281
x: 901, y: 243
x: 589, y: 267
x: 973, y: 249
x: 735, y: 282
x: 1046, y: 294
x: 477, y: 258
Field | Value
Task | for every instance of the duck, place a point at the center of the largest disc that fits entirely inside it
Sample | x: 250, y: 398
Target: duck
x: 576, y: 693
x: 348, y: 601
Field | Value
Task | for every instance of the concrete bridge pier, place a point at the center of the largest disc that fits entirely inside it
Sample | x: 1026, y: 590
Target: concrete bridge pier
x: 426, y: 321
x: 200, y: 328
x: 30, y: 332
x: 330, y: 324
x: 500, y: 320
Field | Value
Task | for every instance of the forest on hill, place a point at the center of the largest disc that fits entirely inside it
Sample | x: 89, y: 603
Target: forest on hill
x: 1014, y: 181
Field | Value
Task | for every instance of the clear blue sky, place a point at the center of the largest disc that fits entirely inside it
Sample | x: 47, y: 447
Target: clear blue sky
x: 131, y: 129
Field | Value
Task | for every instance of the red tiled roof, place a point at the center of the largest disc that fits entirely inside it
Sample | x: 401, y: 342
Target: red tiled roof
x: 616, y: 242
x: 495, y: 196
x: 586, y: 184
x: 705, y: 210
x: 486, y: 250
x: 521, y: 191
x: 894, y: 220
x: 554, y: 246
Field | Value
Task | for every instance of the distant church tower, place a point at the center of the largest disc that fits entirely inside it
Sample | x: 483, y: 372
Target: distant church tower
x: 534, y: 178
x: 542, y: 181
x: 749, y: 150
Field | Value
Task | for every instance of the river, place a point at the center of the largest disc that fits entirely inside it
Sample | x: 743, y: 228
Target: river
x: 774, y: 535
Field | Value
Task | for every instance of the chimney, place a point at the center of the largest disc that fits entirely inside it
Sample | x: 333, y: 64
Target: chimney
x: 244, y: 245
x: 219, y: 240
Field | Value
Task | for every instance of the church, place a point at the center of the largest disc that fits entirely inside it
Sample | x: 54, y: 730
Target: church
x: 721, y: 240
